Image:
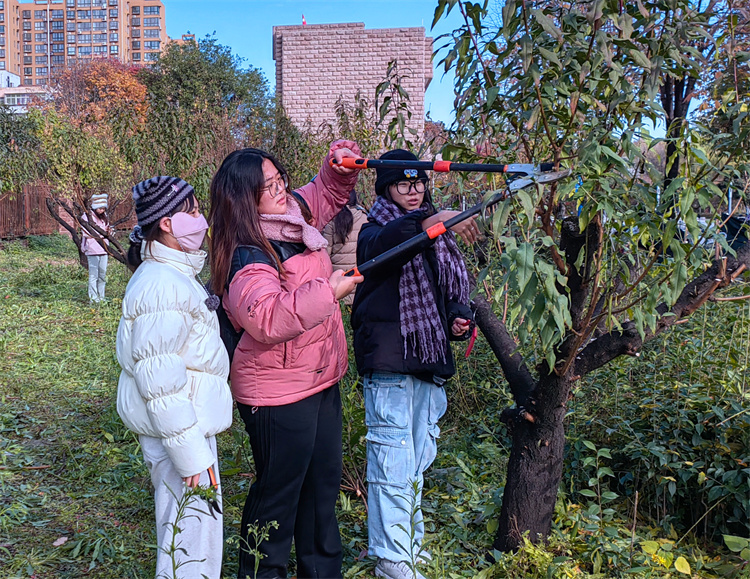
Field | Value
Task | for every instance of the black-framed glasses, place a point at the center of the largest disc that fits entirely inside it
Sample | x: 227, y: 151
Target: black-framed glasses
x: 405, y: 187
x: 276, y: 185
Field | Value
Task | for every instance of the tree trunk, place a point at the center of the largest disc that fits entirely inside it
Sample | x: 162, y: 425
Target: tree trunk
x: 535, y: 466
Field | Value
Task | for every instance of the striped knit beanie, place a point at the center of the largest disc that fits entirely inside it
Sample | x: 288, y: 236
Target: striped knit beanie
x: 99, y: 201
x: 157, y: 197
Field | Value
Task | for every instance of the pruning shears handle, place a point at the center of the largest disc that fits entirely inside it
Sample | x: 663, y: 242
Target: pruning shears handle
x: 439, y: 166
x: 213, y: 503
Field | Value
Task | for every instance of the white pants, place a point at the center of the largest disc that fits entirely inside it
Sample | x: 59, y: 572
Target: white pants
x: 97, y: 276
x: 201, y: 535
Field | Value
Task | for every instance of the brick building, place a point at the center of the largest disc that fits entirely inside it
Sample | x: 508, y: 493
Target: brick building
x: 318, y: 63
x: 38, y: 37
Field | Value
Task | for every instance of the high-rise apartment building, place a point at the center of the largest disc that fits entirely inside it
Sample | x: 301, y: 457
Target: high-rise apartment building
x: 38, y: 37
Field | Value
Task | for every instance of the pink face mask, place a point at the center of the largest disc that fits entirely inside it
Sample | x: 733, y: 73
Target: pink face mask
x: 189, y: 230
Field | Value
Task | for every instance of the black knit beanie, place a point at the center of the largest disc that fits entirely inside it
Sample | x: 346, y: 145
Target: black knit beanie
x: 158, y: 197
x: 387, y: 176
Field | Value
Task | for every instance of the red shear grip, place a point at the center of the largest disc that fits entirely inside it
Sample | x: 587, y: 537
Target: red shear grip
x: 212, y: 477
x: 436, y: 230
x: 352, y: 272
x: 471, y: 342
x: 441, y: 166
x: 350, y: 163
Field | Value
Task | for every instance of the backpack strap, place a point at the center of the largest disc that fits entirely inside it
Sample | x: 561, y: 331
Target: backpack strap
x: 245, y: 255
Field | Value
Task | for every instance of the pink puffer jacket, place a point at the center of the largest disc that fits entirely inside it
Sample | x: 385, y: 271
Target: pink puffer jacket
x: 294, y: 343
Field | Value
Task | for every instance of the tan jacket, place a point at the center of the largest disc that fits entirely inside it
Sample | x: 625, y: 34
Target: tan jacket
x: 344, y: 255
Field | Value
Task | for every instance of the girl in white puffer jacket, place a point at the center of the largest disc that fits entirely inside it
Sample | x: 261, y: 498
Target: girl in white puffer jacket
x: 173, y: 389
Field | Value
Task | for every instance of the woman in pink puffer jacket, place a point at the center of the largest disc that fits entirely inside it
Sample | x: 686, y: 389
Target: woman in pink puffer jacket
x: 269, y: 264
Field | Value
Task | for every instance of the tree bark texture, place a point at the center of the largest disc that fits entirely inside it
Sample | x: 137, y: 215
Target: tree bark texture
x: 535, y: 466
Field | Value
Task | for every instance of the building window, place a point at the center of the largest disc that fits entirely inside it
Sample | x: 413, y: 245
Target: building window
x: 114, y: 37
x: 27, y: 82
x: 2, y: 62
x: 135, y: 10
x: 26, y: 14
x: 113, y: 49
x: 40, y: 37
x: 58, y: 48
x: 70, y: 14
x: 152, y: 56
x: 136, y: 45
x: 113, y: 2
x: 26, y: 37
x: 100, y: 50
x: 84, y: 38
x: 113, y: 13
x: 84, y: 14
x: 99, y: 38
x: 40, y: 49
x: 136, y: 56
x: 27, y: 25
x: 71, y: 50
x: 98, y: 14
x: 84, y: 50
x: 58, y: 59
x: 113, y: 24
x: 27, y: 47
x: 135, y: 33
x: 58, y: 25
x: 151, y: 9
x: 151, y: 45
x: 151, y: 21
x: 42, y: 71
x: 58, y: 37
x: 100, y: 25
x: 40, y: 26
x: 57, y: 14
x: 2, y: 28
x: 41, y: 81
x: 2, y: 5
x: 27, y: 70
x: 71, y: 38
x: 40, y: 14
x: 27, y: 60
x: 151, y: 33
x: 84, y: 3
x: 135, y: 21
x: 84, y: 26
x: 40, y: 60
x: 2, y: 53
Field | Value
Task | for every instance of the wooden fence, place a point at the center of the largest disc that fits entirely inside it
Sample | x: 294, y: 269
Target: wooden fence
x: 26, y: 213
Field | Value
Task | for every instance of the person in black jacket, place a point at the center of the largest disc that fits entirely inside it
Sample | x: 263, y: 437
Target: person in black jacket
x: 404, y: 315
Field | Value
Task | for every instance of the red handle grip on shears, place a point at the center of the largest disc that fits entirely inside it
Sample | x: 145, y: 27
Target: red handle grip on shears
x: 212, y: 477
x: 351, y: 272
x: 350, y: 163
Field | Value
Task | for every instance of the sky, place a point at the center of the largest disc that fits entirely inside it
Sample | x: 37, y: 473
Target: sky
x: 246, y: 27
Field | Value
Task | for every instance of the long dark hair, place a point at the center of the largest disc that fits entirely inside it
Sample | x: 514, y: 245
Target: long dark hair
x: 152, y: 232
x: 343, y: 222
x: 234, y: 218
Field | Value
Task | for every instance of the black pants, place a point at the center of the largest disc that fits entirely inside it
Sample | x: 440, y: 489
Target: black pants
x: 297, y: 453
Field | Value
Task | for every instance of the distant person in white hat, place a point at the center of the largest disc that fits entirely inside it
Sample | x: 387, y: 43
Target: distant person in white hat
x: 96, y: 254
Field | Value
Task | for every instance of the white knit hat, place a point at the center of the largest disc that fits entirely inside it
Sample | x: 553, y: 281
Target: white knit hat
x: 99, y: 201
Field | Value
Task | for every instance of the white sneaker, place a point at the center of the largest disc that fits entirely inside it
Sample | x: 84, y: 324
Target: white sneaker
x: 396, y: 570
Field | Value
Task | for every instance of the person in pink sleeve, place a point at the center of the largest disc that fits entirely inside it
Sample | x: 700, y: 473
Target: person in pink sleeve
x: 278, y: 287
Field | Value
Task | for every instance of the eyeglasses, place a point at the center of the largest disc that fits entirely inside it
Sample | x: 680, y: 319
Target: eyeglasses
x: 276, y: 186
x: 405, y: 187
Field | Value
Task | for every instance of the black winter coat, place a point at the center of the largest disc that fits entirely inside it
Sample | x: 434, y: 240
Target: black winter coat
x: 378, y: 344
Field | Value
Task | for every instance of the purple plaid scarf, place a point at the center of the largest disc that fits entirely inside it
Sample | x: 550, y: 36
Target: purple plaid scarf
x: 421, y: 327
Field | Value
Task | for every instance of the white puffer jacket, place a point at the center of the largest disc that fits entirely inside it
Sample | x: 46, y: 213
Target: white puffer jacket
x: 173, y: 383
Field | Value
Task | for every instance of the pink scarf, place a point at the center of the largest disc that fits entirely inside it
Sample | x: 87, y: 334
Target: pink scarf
x: 291, y: 226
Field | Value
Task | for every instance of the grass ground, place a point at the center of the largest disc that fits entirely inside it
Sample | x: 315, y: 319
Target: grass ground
x: 76, y: 498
